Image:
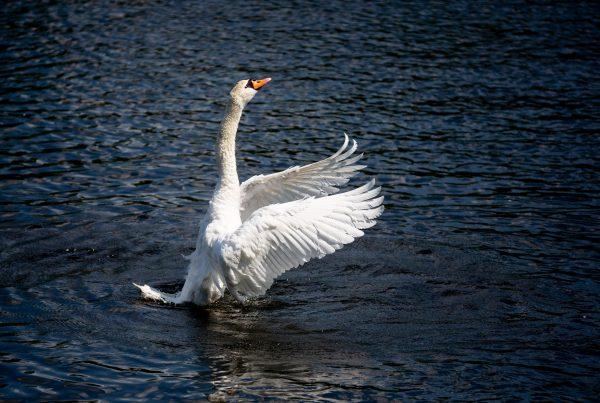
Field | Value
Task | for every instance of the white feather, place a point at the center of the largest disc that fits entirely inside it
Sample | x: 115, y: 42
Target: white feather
x: 317, y: 179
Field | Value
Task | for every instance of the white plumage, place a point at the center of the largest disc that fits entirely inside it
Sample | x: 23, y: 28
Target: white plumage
x: 254, y: 232
x: 317, y: 179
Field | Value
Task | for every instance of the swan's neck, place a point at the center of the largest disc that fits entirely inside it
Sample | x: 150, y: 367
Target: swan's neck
x: 227, y: 193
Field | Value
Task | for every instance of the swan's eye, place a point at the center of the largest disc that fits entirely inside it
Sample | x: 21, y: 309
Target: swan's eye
x: 249, y: 84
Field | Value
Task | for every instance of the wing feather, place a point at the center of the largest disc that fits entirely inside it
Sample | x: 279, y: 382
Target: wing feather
x: 282, y: 236
x: 321, y: 178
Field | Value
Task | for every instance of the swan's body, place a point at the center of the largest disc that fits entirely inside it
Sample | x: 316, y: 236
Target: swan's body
x: 255, y: 231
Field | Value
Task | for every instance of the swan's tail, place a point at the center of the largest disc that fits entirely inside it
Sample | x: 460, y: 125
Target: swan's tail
x: 155, y: 295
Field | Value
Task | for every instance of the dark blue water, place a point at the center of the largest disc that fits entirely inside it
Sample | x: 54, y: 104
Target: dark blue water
x: 481, y: 122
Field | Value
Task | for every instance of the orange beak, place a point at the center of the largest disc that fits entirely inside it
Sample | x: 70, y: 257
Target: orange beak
x: 257, y: 84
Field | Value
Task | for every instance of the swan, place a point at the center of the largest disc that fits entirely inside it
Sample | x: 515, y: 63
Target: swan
x: 254, y: 231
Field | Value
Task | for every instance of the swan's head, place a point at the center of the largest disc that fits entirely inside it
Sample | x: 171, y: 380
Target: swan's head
x: 245, y: 90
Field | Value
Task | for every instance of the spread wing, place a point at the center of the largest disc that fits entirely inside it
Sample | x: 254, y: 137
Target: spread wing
x: 279, y: 237
x: 317, y: 179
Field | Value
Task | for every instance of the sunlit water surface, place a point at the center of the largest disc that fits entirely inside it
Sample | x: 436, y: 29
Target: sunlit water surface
x: 480, y: 121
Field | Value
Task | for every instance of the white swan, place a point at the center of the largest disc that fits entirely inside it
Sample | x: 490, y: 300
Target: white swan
x: 255, y: 231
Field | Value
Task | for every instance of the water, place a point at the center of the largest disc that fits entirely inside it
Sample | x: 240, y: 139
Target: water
x: 480, y: 121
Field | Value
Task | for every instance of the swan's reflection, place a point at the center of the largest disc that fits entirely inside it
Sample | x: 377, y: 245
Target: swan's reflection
x: 257, y: 346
